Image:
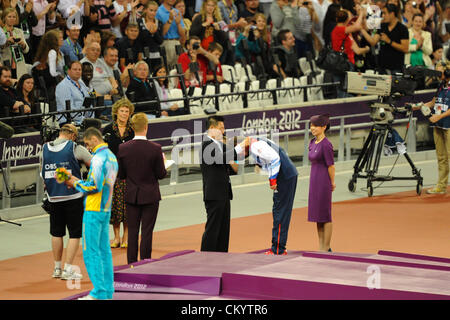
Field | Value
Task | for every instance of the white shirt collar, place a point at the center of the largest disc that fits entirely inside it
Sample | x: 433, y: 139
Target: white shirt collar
x: 140, y: 138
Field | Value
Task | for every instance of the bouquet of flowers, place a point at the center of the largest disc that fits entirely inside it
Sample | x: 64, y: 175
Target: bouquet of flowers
x: 62, y: 175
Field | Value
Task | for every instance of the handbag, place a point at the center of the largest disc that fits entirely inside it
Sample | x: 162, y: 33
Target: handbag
x: 334, y: 61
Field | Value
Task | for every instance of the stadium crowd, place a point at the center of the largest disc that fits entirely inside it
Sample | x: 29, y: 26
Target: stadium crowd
x: 70, y: 50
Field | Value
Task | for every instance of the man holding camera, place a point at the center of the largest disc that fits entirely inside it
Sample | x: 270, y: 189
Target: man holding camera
x: 65, y: 205
x: 438, y: 111
x: 192, y: 66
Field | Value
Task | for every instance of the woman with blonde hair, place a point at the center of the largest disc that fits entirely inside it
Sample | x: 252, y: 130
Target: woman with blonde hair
x: 15, y: 47
x: 206, y: 25
x: 115, y: 133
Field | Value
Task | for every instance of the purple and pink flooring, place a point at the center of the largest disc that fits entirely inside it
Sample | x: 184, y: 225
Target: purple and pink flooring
x: 192, y: 275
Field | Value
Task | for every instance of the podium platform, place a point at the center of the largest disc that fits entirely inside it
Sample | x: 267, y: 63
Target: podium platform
x: 191, y: 275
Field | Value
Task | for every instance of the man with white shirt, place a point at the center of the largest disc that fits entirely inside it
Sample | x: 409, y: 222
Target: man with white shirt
x: 103, y: 83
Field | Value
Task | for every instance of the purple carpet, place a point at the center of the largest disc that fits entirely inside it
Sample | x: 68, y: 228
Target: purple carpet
x: 190, y: 275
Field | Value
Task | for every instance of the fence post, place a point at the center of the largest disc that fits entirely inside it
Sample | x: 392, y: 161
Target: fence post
x: 306, y: 145
x: 348, y: 147
x: 411, y: 138
x: 39, y: 186
x: 341, y: 140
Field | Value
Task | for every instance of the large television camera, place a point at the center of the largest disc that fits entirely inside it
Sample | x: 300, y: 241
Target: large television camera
x: 388, y: 88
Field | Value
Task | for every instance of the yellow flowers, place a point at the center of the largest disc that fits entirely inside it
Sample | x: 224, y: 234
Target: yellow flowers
x: 62, y: 175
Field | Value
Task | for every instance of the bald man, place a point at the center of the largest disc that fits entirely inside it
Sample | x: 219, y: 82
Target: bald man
x: 66, y: 205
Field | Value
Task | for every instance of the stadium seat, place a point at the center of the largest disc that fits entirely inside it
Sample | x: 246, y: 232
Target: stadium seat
x: 304, y: 66
x: 175, y: 94
x: 225, y: 101
x: 294, y: 95
x: 173, y: 81
x: 229, y: 73
x: 254, y: 98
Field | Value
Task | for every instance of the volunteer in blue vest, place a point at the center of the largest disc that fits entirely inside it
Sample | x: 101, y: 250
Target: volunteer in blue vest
x: 272, y: 159
x: 439, y: 108
x: 66, y: 205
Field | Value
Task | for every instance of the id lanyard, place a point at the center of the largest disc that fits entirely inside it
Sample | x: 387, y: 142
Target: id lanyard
x: 76, y: 85
x: 73, y: 46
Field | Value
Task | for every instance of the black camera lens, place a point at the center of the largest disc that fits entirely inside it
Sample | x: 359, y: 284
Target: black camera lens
x: 195, y: 46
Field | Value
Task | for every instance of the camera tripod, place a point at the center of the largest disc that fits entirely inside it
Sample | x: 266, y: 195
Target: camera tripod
x: 369, y: 160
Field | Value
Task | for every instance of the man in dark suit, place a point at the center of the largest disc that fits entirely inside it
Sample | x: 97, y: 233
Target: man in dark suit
x: 215, y: 167
x: 141, y: 163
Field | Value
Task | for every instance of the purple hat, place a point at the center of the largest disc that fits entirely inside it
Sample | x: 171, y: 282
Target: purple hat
x: 320, y: 120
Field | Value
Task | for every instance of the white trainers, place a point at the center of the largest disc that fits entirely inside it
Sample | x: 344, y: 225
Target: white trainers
x: 88, y: 297
x: 56, y: 273
x: 71, y: 275
x: 436, y: 190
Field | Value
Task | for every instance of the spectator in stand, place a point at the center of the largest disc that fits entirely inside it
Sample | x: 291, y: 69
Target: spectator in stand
x: 174, y: 32
x: 180, y: 5
x: 195, y: 77
x: 168, y: 108
x: 420, y: 45
x: 437, y: 55
x: 230, y: 16
x: 103, y: 14
x: 123, y: 9
x: 444, y: 19
x: 150, y: 33
x: 320, y: 7
x: 409, y: 11
x: 393, y: 38
x: 72, y: 89
x: 43, y: 10
x: 251, y: 8
x: 11, y: 100
x: 130, y: 48
x: 27, y: 20
x: 108, y: 39
x: 304, y: 39
x: 250, y: 34
x: 102, y: 82
x: 287, y: 55
x: 68, y: 8
x: 329, y: 22
x: 215, y: 50
x: 15, y: 47
x: 206, y: 26
x: 87, y: 73
x: 342, y: 35
x: 285, y: 16
x: 71, y: 48
x: 49, y: 62
x: 111, y: 58
x: 142, y: 89
x: 25, y: 93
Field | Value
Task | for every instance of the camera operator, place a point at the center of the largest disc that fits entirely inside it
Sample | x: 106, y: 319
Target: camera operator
x: 72, y: 89
x: 65, y: 205
x: 440, y: 121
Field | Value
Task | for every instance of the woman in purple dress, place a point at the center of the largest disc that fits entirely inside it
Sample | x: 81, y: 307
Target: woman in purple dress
x: 321, y: 183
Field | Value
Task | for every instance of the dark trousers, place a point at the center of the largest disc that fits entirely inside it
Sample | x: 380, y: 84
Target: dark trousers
x: 217, y: 229
x: 283, y: 201
x: 145, y: 214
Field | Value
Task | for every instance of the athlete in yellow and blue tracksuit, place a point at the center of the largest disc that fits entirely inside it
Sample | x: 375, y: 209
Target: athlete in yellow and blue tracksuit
x: 98, y: 188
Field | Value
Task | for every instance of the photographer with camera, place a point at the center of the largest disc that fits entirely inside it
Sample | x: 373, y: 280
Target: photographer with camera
x: 65, y: 206
x: 15, y: 45
x: 438, y: 113
x: 192, y: 66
